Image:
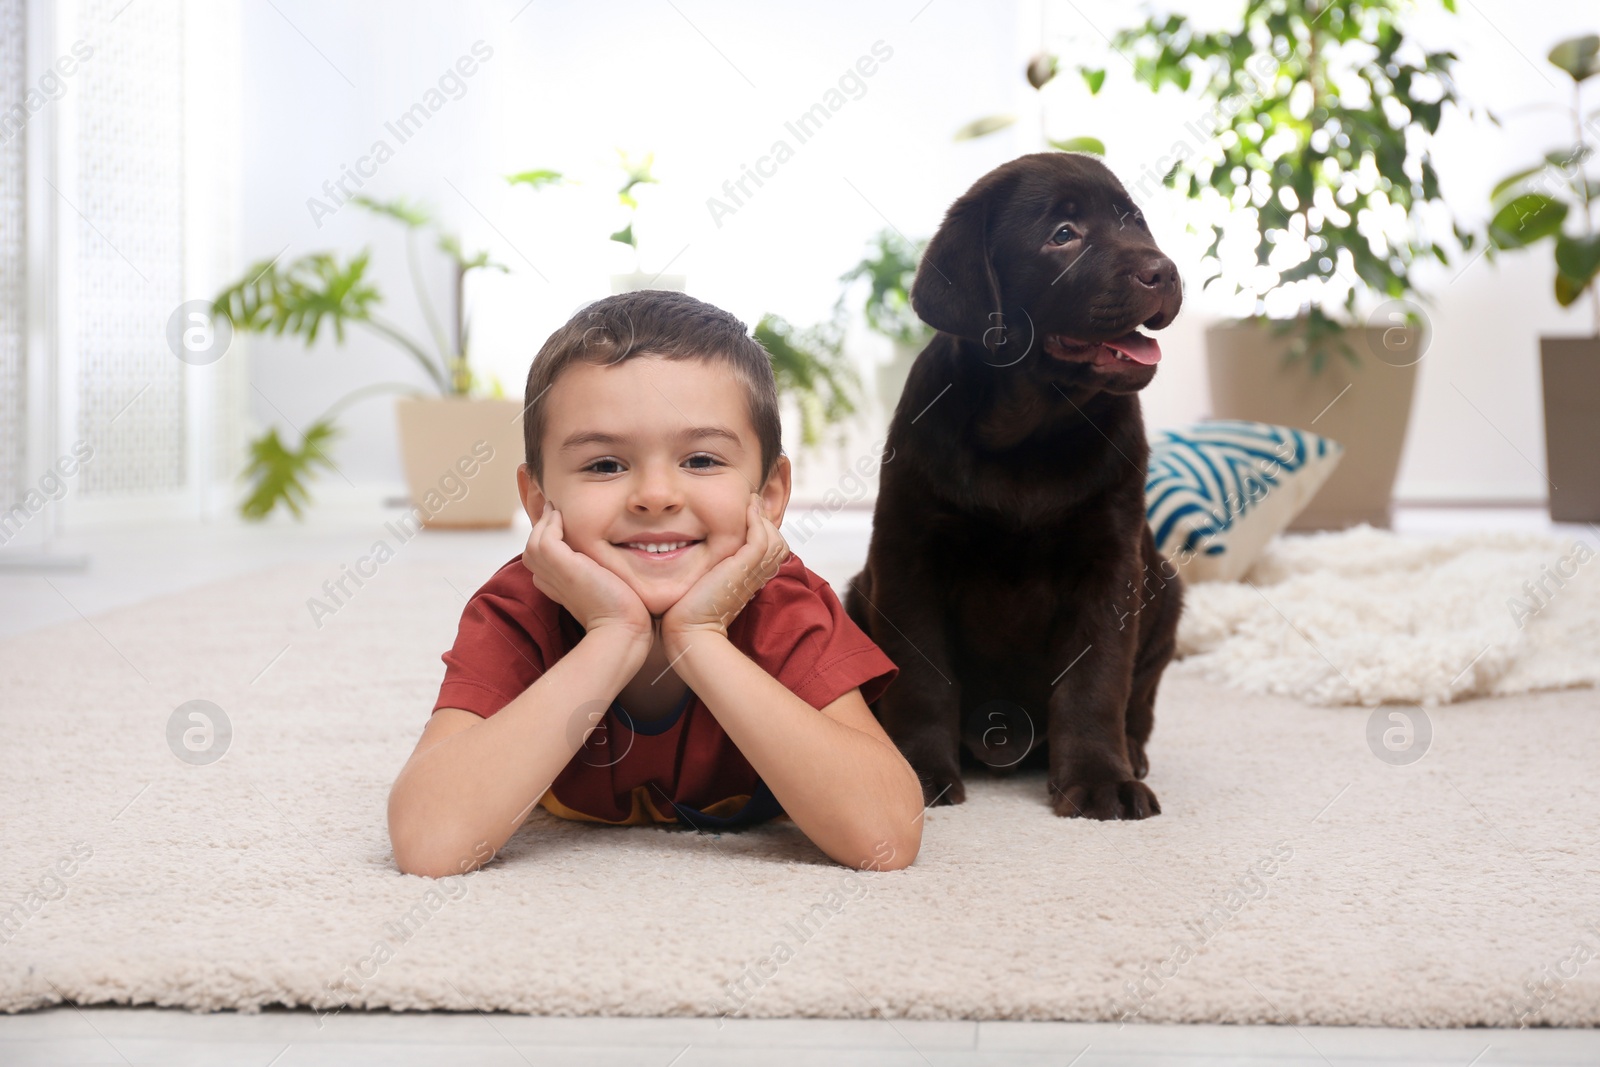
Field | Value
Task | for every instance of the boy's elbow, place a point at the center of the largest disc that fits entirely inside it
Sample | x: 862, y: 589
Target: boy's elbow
x: 889, y: 851
x: 407, y: 839
x: 409, y: 864
x: 423, y: 850
x: 429, y: 862
x: 410, y: 855
x: 895, y: 842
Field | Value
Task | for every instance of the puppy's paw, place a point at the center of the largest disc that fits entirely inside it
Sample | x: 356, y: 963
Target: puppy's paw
x: 942, y: 787
x: 1129, y: 799
x: 1136, y: 756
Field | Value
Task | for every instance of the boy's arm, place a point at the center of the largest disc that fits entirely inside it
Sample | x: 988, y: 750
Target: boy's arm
x: 471, y: 782
x: 836, y: 773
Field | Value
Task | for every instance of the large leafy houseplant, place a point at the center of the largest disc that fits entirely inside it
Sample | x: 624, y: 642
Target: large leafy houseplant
x: 318, y: 291
x: 1322, y: 118
x: 1537, y: 203
x: 810, y: 365
x: 888, y: 270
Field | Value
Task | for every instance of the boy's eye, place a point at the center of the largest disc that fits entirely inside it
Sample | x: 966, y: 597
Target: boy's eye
x: 711, y: 461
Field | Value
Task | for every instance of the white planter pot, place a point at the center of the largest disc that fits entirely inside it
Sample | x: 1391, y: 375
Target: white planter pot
x: 892, y: 375
x: 460, y: 458
x: 628, y: 283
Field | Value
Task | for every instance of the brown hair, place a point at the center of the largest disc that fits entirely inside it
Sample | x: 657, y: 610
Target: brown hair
x: 660, y: 323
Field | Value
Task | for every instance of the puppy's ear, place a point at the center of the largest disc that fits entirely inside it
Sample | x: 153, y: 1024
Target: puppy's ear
x: 956, y: 289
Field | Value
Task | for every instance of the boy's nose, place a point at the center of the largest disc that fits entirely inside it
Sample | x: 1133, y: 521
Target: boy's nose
x: 655, y: 491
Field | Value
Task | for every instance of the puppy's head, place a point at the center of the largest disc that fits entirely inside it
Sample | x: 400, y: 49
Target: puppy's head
x: 1048, y: 263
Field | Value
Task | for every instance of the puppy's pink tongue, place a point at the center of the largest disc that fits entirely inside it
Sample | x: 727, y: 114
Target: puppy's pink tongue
x: 1137, y: 347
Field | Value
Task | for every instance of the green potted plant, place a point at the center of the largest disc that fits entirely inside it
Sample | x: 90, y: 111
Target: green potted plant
x: 888, y: 270
x: 1320, y: 134
x: 465, y: 424
x: 635, y: 174
x: 1554, y: 201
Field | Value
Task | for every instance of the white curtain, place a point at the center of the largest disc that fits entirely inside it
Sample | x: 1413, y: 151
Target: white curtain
x: 13, y: 252
x: 119, y: 204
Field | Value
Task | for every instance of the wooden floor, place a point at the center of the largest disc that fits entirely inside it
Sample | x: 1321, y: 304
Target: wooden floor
x: 174, y: 1038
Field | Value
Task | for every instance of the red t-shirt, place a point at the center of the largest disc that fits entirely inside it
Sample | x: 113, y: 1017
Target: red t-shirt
x: 683, y: 767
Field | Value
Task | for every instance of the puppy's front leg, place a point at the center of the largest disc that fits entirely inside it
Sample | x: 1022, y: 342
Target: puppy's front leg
x: 1090, y: 770
x: 921, y: 710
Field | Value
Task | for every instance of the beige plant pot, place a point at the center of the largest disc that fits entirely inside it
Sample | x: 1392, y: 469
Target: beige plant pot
x: 1570, y: 372
x: 1365, y: 407
x: 460, y: 458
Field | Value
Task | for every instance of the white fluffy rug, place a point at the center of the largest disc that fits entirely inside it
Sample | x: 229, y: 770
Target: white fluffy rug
x: 1294, y: 875
x: 1364, y: 616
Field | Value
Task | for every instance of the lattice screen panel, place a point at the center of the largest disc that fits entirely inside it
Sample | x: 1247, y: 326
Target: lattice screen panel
x: 128, y: 215
x: 13, y: 256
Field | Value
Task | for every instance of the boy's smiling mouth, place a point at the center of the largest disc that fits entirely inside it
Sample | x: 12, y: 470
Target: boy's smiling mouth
x: 662, y: 546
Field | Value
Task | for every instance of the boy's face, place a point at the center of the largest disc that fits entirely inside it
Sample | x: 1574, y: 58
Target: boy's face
x: 623, y: 460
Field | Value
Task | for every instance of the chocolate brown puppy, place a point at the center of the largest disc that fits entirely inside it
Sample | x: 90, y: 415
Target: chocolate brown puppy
x: 1011, y: 575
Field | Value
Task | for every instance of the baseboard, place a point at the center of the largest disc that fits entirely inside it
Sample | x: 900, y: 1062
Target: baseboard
x: 1519, y: 503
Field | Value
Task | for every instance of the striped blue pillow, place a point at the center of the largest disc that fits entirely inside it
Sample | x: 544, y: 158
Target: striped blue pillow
x: 1219, y: 490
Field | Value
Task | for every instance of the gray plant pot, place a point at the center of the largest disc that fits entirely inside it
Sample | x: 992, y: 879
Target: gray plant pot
x: 1570, y: 370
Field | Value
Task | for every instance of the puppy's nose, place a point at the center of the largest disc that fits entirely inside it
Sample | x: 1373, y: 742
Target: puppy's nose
x: 1156, y: 273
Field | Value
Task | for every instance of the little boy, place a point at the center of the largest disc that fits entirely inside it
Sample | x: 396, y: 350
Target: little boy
x: 656, y: 654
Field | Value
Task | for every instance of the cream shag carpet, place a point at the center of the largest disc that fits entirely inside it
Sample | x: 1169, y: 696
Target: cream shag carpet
x: 1364, y: 616
x: 1298, y: 873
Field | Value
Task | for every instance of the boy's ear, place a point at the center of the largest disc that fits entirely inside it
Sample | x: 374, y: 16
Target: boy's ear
x: 775, y: 493
x: 532, y: 496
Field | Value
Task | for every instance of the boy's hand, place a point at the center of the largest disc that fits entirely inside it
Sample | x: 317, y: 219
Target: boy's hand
x: 714, y: 601
x: 596, y: 597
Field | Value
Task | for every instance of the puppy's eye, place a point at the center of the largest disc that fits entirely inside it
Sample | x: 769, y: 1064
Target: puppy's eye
x: 1063, y: 235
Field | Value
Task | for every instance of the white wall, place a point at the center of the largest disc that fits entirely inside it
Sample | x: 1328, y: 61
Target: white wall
x: 566, y: 86
x: 708, y: 87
